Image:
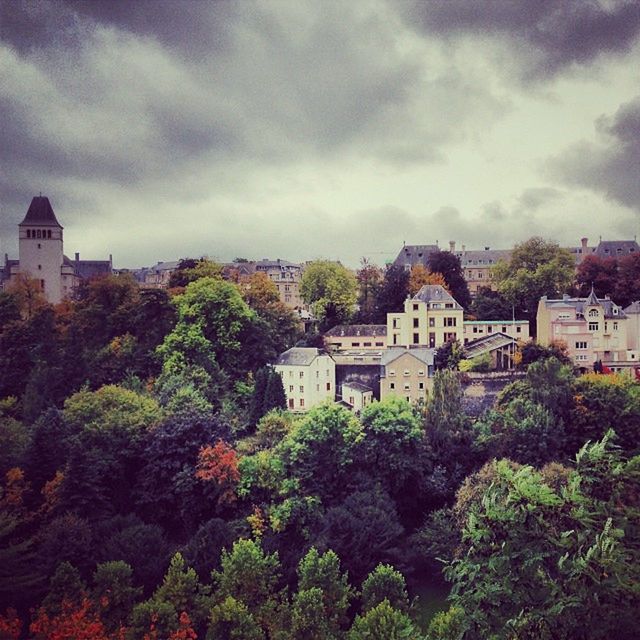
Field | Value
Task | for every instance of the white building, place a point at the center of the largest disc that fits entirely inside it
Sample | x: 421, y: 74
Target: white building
x: 474, y: 329
x: 308, y: 376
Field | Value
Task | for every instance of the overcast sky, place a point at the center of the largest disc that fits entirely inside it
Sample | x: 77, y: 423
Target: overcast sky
x: 294, y: 129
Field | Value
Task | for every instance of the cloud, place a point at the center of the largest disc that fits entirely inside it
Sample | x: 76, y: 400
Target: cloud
x: 611, y: 165
x: 547, y: 37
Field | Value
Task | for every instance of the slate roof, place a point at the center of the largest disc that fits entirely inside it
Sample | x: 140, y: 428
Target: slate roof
x: 299, y: 356
x: 613, y: 248
x: 423, y: 354
x: 412, y: 254
x: 435, y: 293
x: 354, y: 330
x: 271, y: 264
x: 487, y: 344
x: 488, y: 257
x: 357, y: 386
x: 41, y: 213
x: 88, y: 268
x: 611, y: 309
x: 633, y: 308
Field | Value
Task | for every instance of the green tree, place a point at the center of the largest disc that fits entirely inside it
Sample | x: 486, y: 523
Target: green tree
x: 369, y: 278
x: 65, y: 586
x: 308, y: 616
x: 448, y: 264
x: 385, y: 583
x: 551, y: 553
x: 392, y: 292
x: 383, y: 621
x: 232, y: 620
x: 189, y: 270
x: 537, y: 268
x: 256, y: 410
x: 331, y: 290
x: 490, y: 305
x: 448, y: 356
x: 114, y: 593
x: 274, y: 394
x: 322, y: 571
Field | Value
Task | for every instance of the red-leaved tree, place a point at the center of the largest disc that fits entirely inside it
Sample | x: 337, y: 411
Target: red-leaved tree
x: 219, y: 464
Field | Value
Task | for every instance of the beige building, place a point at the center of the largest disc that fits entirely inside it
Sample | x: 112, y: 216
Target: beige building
x: 406, y: 373
x: 308, y: 376
x: 41, y: 255
x: 477, y: 265
x: 633, y: 326
x: 474, y: 329
x: 593, y: 329
x: 287, y: 277
x: 431, y: 318
x: 356, y: 337
x: 356, y: 395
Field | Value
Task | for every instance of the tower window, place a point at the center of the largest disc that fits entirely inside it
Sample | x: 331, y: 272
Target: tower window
x: 39, y: 246
x: 28, y: 233
x: 48, y: 233
x: 39, y: 267
x: 39, y: 233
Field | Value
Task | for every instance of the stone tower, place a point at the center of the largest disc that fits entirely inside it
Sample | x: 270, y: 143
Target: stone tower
x: 40, y: 247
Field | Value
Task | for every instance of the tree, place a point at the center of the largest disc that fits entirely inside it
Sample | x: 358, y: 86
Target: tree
x: 232, y: 619
x: 27, y: 294
x: 322, y: 572
x: 599, y: 273
x: 490, y: 305
x: 274, y: 393
x: 218, y: 464
x: 551, y: 553
x: 385, y: 583
x: 114, y: 593
x: 369, y: 278
x: 537, y: 268
x: 308, y: 616
x: 189, y: 270
x: 392, y: 293
x: 449, y: 266
x: 420, y: 276
x: 331, y: 290
x: 627, y: 288
x: 79, y: 622
x: 256, y: 410
x: 383, y: 621
x: 448, y: 355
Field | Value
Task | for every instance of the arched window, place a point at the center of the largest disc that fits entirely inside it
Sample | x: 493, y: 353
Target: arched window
x: 48, y: 233
x: 39, y: 233
x: 593, y: 313
x: 28, y: 233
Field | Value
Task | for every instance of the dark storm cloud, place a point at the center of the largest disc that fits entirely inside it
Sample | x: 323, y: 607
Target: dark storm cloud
x: 547, y: 35
x: 611, y: 166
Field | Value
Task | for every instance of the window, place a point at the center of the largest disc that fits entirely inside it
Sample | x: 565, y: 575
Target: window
x: 489, y: 329
x: 301, y: 389
x: 449, y: 337
x: 302, y: 374
x: 379, y: 344
x: 432, y: 322
x: 302, y: 402
x: 432, y: 340
x: 366, y: 344
x: 475, y: 329
x: 317, y: 387
x: 416, y: 323
x: 355, y: 344
x: 448, y: 305
x: 593, y: 326
x: 415, y: 307
x: 392, y: 372
x: 49, y: 233
x: 317, y: 374
x: 290, y: 403
x: 581, y: 344
x: 328, y: 386
x: 407, y: 372
x: 416, y: 338
x: 593, y: 313
x: 28, y: 233
x: 39, y: 246
x: 421, y: 372
x: 504, y: 329
x: 291, y: 373
x: 395, y: 338
x: 39, y: 267
x: 407, y: 386
x: 421, y: 386
x: 39, y: 233
x: 351, y: 401
x: 615, y: 326
x: 327, y: 373
x: 392, y: 386
x: 518, y: 329
x: 450, y: 322
x: 42, y: 284
x: 290, y: 388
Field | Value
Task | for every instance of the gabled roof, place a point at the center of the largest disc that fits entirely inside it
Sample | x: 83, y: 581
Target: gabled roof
x: 633, y: 308
x: 483, y: 257
x: 423, y: 354
x: 355, y: 330
x: 592, y: 300
x: 299, y: 356
x: 610, y: 308
x: 486, y: 344
x: 357, y: 386
x: 40, y: 213
x: 435, y: 293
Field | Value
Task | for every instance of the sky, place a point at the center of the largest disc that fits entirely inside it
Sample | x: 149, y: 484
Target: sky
x: 300, y: 129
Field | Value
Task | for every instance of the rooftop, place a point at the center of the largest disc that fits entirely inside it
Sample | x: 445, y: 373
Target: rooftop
x: 353, y: 330
x: 423, y: 354
x: 299, y: 356
x: 41, y: 213
x: 435, y: 293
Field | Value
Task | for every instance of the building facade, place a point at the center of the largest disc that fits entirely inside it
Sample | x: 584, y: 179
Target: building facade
x: 41, y: 255
x: 308, y: 376
x: 593, y: 329
x: 431, y: 318
x: 356, y: 336
x: 406, y: 373
x: 474, y: 329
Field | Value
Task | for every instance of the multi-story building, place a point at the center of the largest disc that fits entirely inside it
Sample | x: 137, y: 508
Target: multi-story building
x: 308, y: 376
x: 413, y: 254
x: 356, y: 337
x: 593, y: 329
x: 477, y: 265
x: 41, y: 255
x: 407, y: 373
x: 287, y: 277
x: 156, y: 277
x: 474, y: 329
x: 431, y: 318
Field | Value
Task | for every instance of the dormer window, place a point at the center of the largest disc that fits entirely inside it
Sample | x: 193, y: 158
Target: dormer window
x: 593, y: 313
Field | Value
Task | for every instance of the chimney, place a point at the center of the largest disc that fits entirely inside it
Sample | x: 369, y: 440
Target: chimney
x: 487, y: 248
x: 111, y: 259
x: 452, y: 246
x: 77, y: 257
x: 464, y: 248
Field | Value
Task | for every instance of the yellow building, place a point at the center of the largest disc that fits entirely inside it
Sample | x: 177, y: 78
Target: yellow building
x: 406, y: 373
x: 431, y: 318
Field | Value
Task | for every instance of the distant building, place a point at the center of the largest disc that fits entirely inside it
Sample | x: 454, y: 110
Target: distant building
x: 156, y: 277
x: 616, y: 248
x: 477, y: 265
x: 406, y: 373
x: 41, y: 256
x: 593, y: 329
x: 356, y: 395
x: 431, y: 318
x: 308, y: 376
x: 474, y: 329
x: 356, y: 337
x: 413, y: 254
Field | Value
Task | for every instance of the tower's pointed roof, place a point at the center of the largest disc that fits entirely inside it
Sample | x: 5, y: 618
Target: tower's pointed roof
x: 592, y: 299
x: 41, y: 213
